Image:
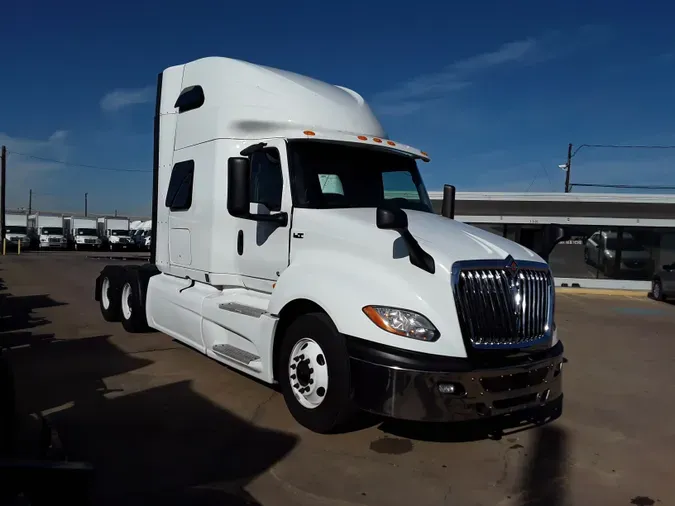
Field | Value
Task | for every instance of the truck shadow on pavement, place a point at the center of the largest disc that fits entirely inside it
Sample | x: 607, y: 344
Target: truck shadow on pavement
x: 163, y: 445
x: 159, y: 445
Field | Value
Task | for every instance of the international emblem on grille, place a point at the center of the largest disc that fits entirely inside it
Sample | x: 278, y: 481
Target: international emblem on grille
x: 514, y: 289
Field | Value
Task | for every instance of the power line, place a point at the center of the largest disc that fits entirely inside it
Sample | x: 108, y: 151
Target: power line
x: 536, y: 176
x: 95, y: 167
x: 626, y: 186
x: 624, y: 146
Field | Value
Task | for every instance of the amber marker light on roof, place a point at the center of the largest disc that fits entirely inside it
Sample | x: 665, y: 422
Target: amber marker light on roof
x: 377, y: 140
x: 308, y: 132
x: 362, y: 138
x: 391, y: 143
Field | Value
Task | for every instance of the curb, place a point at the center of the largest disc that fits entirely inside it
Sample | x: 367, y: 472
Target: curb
x: 602, y: 291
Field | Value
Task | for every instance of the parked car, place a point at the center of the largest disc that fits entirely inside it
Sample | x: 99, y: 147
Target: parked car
x: 663, y: 282
x: 601, y: 250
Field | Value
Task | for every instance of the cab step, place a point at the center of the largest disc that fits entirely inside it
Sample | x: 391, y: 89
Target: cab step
x: 234, y: 353
x: 235, y: 307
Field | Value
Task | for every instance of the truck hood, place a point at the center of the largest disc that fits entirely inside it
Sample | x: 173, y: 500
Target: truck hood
x: 446, y: 240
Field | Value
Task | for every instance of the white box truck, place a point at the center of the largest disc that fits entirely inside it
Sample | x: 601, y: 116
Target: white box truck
x: 47, y: 231
x: 348, y: 295
x: 16, y: 230
x: 114, y: 232
x: 82, y: 232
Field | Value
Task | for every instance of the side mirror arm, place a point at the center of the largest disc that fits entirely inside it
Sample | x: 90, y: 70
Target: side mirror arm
x: 418, y: 257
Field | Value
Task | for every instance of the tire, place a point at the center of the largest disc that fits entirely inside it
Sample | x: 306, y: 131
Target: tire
x: 109, y: 302
x: 132, y: 308
x: 657, y: 290
x: 327, y: 403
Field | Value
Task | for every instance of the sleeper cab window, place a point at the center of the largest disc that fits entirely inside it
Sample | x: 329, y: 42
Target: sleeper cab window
x: 190, y: 98
x: 179, y: 194
x: 266, y: 179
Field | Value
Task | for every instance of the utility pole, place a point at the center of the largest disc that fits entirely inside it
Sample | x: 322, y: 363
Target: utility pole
x: 30, y: 201
x: 3, y: 180
x: 569, y: 169
x: 85, y: 204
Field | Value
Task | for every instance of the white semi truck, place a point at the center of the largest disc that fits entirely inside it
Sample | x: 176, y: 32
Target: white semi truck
x: 48, y: 231
x: 82, y: 232
x: 16, y: 230
x: 144, y: 237
x: 294, y: 241
x: 114, y: 232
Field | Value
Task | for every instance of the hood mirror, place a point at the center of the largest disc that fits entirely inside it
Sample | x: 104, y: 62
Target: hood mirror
x: 390, y: 217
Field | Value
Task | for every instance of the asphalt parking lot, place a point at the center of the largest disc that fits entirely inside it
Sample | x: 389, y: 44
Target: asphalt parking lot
x: 165, y: 425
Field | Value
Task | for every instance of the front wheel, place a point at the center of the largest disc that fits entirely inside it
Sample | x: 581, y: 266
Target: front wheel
x: 314, y: 374
x: 657, y: 290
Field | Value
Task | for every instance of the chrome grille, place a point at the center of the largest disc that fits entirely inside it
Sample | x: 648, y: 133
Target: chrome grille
x: 505, y: 304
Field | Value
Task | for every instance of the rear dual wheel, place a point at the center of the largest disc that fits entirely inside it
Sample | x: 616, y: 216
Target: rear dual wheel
x: 132, y: 309
x: 123, y: 303
x: 109, y: 302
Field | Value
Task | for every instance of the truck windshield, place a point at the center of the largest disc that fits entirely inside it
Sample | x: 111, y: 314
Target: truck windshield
x: 331, y: 175
x: 86, y: 231
x: 52, y: 231
x: 15, y: 230
x: 119, y: 232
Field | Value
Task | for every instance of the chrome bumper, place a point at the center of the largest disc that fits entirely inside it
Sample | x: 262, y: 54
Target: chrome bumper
x: 411, y: 386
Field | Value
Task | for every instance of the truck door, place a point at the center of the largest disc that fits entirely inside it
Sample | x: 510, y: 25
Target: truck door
x: 264, y: 252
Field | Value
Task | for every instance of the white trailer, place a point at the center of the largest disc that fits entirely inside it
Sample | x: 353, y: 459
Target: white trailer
x: 355, y: 297
x: 82, y: 232
x: 16, y: 230
x: 47, y: 231
x: 114, y: 232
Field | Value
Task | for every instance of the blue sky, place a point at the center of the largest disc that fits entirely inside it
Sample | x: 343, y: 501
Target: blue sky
x: 494, y: 91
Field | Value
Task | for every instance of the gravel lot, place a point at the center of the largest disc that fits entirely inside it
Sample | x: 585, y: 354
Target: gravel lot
x: 165, y: 425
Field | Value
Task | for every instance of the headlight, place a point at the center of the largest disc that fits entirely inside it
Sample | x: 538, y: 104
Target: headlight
x: 402, y: 322
x: 44, y: 239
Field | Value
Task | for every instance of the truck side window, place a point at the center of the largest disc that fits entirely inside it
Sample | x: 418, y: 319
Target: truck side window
x: 179, y: 194
x: 266, y: 179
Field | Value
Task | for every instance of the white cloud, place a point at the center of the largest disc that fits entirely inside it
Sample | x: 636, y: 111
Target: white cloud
x: 24, y: 173
x: 121, y: 98
x: 410, y: 96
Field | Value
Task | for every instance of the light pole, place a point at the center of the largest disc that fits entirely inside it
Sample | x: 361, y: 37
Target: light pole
x: 568, y: 168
